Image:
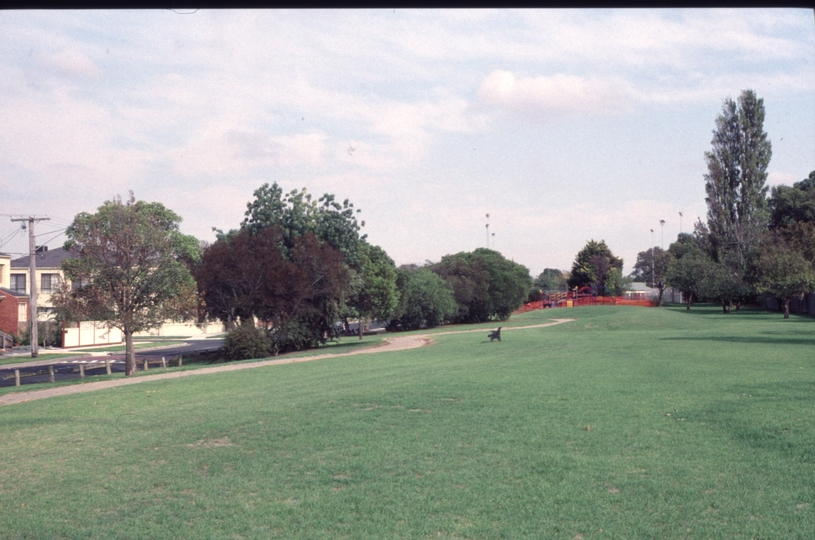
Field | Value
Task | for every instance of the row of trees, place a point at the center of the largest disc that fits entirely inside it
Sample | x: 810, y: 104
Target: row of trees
x: 289, y: 277
x: 751, y: 244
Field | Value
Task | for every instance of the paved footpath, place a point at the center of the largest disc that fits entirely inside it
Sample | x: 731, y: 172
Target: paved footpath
x: 391, y: 344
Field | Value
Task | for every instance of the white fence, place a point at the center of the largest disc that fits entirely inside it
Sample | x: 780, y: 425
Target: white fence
x: 84, y: 334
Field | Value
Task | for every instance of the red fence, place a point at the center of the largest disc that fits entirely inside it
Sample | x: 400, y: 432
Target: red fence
x: 583, y: 297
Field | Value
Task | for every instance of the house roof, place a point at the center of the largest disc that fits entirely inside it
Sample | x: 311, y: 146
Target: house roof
x: 9, y: 292
x: 45, y: 259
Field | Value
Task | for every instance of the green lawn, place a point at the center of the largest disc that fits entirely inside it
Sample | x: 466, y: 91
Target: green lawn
x: 628, y: 423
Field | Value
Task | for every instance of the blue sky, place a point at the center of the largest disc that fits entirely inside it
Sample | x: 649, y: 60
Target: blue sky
x: 563, y: 125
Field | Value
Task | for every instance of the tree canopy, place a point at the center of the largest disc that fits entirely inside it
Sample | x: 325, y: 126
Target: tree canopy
x: 425, y: 299
x: 296, y: 296
x: 131, y: 269
x: 486, y: 285
x: 591, y: 265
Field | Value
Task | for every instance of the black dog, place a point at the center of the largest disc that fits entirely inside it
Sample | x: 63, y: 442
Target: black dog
x: 495, y: 334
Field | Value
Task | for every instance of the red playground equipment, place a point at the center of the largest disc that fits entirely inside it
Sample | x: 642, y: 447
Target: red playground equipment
x: 584, y: 296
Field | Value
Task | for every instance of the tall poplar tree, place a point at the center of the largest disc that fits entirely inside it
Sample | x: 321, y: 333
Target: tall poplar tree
x: 736, y: 180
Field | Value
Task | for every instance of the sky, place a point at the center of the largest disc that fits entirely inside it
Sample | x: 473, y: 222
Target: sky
x: 563, y: 125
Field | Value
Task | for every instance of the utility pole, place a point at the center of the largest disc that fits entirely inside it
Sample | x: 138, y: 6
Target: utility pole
x: 32, y: 278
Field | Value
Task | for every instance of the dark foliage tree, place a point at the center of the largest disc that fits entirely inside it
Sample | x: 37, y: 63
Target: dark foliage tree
x: 425, y: 300
x: 591, y: 265
x: 735, y: 182
x: 486, y: 285
x: 296, y: 296
x: 131, y: 269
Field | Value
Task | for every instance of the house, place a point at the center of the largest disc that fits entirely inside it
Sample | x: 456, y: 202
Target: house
x: 49, y: 277
x: 13, y: 304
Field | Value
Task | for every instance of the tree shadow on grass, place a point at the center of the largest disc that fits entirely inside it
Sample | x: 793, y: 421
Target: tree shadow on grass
x: 770, y: 339
x: 770, y: 417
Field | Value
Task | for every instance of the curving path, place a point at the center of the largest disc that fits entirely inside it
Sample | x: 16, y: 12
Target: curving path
x: 399, y: 343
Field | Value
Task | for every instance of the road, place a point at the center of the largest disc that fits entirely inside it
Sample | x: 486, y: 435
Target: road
x: 69, y: 368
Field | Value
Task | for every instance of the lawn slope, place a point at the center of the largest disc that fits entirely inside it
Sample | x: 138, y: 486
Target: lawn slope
x: 627, y: 423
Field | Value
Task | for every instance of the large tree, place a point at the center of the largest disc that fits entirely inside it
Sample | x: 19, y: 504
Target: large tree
x: 296, y: 296
x: 736, y: 180
x: 376, y: 295
x: 688, y: 267
x: 131, y: 269
x: 298, y: 213
x: 782, y: 271
x: 591, y: 264
x: 425, y: 299
x: 486, y: 285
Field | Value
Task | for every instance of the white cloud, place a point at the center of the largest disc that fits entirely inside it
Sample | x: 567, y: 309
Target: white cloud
x: 552, y: 97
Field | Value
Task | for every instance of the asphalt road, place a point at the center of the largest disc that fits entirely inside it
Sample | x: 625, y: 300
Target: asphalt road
x: 69, y: 368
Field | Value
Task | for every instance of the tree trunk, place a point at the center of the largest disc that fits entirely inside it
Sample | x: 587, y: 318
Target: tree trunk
x: 690, y: 300
x: 659, y: 298
x: 130, y: 355
x: 786, y: 308
x: 360, y: 328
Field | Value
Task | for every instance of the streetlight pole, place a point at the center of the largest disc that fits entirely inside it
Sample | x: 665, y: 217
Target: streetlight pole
x: 652, y: 257
x: 662, y: 233
x: 680, y: 222
x: 488, y: 231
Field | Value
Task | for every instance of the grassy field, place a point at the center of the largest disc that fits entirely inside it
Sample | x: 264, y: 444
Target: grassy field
x: 627, y: 423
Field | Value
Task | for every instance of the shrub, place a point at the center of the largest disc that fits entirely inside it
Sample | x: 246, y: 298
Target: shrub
x: 246, y: 341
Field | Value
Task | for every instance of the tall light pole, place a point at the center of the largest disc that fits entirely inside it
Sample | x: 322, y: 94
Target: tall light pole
x: 488, y: 231
x: 662, y: 233
x: 652, y: 257
x: 680, y: 222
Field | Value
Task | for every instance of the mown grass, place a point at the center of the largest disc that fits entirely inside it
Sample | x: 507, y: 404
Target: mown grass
x: 191, y: 363
x: 559, y: 432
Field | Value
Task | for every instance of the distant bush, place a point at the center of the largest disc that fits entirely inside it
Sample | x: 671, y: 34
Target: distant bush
x: 246, y: 341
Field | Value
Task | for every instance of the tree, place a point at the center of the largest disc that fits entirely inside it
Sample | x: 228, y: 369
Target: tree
x: 591, y: 265
x: 296, y: 296
x: 297, y: 213
x: 688, y: 273
x: 796, y: 204
x: 615, y: 284
x: 688, y: 267
x: 735, y: 181
x: 377, y: 295
x: 486, y: 285
x: 130, y: 269
x: 781, y: 270
x: 425, y: 300
x: 650, y: 268
x: 551, y: 280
